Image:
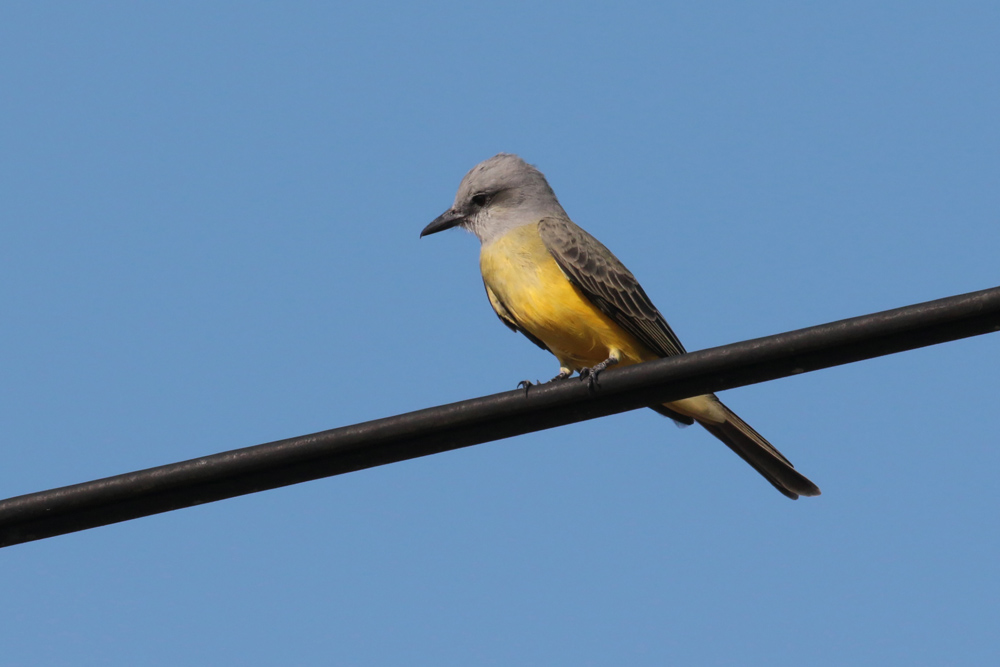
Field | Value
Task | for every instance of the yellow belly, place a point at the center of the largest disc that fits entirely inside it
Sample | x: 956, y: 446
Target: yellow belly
x: 526, y: 279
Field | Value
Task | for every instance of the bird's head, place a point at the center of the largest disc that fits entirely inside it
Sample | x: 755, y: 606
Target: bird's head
x: 497, y: 195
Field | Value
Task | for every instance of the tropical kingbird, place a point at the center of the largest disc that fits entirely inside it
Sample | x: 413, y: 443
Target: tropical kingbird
x: 559, y: 286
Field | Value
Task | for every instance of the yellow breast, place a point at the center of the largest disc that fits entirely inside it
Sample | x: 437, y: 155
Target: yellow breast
x: 523, y: 275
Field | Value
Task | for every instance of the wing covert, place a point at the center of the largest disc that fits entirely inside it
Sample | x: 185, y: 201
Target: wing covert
x: 608, y: 284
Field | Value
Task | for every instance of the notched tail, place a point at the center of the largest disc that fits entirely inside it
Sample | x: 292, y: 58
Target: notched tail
x: 759, y: 453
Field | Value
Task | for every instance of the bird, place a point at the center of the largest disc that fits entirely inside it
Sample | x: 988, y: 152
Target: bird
x: 552, y: 281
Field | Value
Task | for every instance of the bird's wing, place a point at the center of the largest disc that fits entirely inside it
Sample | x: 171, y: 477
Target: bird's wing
x: 508, y: 319
x: 606, y: 282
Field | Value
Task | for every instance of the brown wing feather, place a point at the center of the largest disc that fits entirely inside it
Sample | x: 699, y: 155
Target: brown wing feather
x: 614, y: 290
x: 608, y: 284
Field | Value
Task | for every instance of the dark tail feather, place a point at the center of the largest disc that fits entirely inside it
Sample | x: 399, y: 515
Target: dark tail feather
x: 759, y: 453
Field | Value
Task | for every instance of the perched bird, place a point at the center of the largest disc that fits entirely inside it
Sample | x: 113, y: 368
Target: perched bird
x: 559, y: 286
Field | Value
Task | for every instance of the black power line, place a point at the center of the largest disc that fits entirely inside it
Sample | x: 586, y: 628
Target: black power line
x: 104, y: 501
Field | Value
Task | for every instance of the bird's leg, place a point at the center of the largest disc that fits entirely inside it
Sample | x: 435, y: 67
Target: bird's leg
x: 563, y: 374
x: 592, y: 372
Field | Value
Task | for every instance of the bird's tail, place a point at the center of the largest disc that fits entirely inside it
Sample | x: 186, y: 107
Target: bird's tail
x: 759, y: 453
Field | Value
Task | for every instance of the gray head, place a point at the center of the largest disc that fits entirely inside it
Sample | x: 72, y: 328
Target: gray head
x: 496, y: 196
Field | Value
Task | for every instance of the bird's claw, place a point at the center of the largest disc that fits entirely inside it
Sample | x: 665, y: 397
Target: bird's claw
x: 590, y: 374
x: 526, y: 385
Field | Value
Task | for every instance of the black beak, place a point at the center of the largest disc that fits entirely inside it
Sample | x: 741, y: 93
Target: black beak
x: 446, y: 220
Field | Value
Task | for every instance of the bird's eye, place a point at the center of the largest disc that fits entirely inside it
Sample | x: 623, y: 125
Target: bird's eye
x: 481, y: 199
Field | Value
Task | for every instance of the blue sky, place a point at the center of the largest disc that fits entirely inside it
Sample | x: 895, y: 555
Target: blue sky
x: 210, y: 215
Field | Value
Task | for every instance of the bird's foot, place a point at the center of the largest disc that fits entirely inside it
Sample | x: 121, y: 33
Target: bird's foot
x: 590, y: 374
x: 526, y: 385
x: 563, y: 374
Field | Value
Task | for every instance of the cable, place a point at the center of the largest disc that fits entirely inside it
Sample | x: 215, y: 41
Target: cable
x: 104, y: 501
